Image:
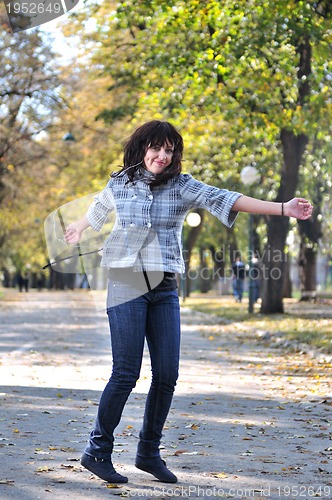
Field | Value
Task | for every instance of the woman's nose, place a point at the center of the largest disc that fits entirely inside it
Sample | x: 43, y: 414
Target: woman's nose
x: 162, y: 153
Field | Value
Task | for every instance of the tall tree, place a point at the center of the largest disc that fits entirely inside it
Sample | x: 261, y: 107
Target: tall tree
x: 28, y: 92
x: 247, y: 81
x: 29, y: 85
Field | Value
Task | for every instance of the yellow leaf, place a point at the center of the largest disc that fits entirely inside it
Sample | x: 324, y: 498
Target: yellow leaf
x: 16, y: 431
x: 220, y: 475
x: 45, y: 468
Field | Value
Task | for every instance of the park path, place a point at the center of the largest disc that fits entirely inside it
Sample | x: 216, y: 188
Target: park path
x: 248, y: 420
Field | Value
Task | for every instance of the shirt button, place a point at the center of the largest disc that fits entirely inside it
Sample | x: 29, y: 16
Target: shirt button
x: 150, y: 196
x: 148, y: 224
x: 132, y: 224
x: 134, y: 196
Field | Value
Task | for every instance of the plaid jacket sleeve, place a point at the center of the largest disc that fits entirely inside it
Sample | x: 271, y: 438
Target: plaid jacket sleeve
x: 218, y: 202
x: 99, y: 209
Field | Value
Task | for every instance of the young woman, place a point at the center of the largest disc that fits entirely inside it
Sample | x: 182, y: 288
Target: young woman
x: 151, y: 198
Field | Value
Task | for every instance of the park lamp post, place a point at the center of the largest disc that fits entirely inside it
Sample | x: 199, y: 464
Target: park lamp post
x: 249, y: 176
x: 193, y: 219
x: 68, y: 137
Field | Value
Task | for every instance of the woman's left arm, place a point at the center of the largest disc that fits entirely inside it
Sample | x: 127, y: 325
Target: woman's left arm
x: 299, y: 208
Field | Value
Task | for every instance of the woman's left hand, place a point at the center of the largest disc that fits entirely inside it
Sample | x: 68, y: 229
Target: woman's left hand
x: 300, y: 208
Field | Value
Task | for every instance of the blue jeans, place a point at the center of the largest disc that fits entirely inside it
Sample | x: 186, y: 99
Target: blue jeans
x: 238, y: 286
x: 156, y: 317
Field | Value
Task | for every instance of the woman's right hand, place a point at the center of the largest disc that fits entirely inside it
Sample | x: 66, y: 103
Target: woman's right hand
x: 73, y: 233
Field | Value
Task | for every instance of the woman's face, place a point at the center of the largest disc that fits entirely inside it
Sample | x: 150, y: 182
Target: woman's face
x: 157, y: 158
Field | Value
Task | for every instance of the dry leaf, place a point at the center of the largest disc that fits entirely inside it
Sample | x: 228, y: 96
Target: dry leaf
x: 45, y: 468
x: 220, y: 475
x: 194, y: 427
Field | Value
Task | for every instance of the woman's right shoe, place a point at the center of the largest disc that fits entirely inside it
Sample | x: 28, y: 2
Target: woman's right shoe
x: 157, y: 467
x: 103, y: 468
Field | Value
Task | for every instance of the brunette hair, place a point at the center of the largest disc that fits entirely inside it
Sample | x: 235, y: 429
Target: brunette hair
x: 152, y: 133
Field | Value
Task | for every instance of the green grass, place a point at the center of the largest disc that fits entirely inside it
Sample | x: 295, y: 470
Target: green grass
x: 302, y: 322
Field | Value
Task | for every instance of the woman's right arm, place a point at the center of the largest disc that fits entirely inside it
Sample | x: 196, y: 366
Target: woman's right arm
x: 74, y: 231
x: 95, y: 216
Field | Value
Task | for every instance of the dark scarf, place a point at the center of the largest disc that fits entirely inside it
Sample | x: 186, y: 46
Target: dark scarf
x: 149, y: 178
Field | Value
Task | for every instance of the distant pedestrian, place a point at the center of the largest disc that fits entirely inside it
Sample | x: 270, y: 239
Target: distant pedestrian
x: 26, y: 281
x: 151, y: 198
x: 23, y: 281
x: 239, y: 274
x: 20, y: 281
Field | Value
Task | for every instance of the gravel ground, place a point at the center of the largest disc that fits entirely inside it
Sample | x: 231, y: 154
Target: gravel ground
x: 249, y: 420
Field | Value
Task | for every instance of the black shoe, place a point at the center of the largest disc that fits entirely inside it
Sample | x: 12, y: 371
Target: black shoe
x: 102, y: 468
x: 157, y: 467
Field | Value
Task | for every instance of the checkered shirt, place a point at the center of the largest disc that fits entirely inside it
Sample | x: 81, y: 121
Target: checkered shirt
x: 147, y: 233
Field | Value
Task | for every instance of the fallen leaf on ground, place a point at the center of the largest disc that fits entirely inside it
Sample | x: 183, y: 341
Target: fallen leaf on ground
x: 45, y: 468
x: 220, y: 475
x: 179, y: 452
x: 194, y: 427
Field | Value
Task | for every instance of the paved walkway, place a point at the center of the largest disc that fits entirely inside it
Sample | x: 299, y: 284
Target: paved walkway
x: 247, y: 422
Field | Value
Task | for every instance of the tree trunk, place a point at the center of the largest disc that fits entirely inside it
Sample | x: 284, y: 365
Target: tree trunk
x: 307, y: 263
x: 287, y: 282
x: 273, y: 266
x: 310, y: 233
x: 219, y: 263
x: 274, y: 254
x: 205, y: 277
x: 293, y: 147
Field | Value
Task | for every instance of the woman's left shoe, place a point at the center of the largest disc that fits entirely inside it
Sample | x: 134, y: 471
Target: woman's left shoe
x: 103, y: 469
x: 157, y: 467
